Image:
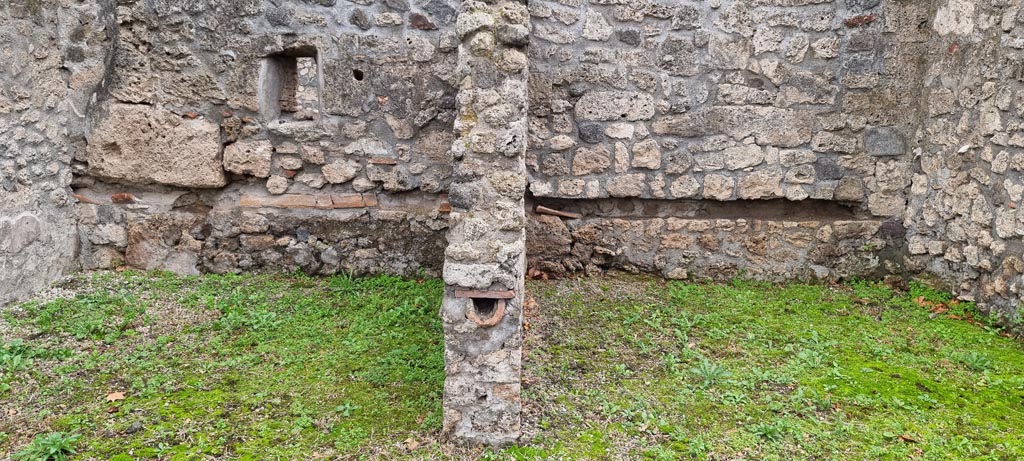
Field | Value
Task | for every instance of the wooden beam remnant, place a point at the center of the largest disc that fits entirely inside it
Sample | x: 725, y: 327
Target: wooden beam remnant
x: 562, y: 214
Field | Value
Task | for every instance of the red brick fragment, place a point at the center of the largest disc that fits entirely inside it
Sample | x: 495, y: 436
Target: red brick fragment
x: 123, y: 198
x: 858, y: 21
x: 84, y: 199
x: 280, y: 201
x: 485, y: 294
x: 348, y: 201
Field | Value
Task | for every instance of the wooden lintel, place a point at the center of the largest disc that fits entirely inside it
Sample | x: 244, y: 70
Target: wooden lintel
x: 485, y: 294
x: 562, y: 214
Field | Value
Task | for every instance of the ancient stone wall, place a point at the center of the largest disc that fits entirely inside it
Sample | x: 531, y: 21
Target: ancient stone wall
x: 769, y: 138
x: 272, y: 136
x: 964, y: 219
x: 54, y: 56
x: 887, y: 134
x: 485, y: 260
x: 723, y: 100
x: 720, y: 107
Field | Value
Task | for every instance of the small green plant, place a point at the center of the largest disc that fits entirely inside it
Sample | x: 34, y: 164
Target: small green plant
x: 55, y: 446
x: 104, y: 315
x: 772, y: 432
x: 346, y: 409
x: 15, y: 356
x: 810, y: 359
x: 734, y: 398
x: 976, y: 361
x: 823, y: 403
x: 303, y: 422
x: 698, y: 447
x: 660, y: 453
x: 253, y: 320
x: 869, y: 247
x: 709, y: 372
x: 671, y: 362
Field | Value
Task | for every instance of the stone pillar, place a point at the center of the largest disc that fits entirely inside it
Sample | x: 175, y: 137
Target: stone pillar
x: 485, y: 259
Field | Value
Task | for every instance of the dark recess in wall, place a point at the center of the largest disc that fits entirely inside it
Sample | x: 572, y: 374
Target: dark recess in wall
x: 635, y: 208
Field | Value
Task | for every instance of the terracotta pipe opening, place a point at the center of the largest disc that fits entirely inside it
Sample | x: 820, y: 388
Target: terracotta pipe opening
x: 488, y: 307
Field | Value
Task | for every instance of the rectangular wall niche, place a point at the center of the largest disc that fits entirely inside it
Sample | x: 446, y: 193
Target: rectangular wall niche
x: 290, y: 86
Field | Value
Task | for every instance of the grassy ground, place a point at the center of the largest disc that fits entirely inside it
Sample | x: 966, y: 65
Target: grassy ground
x: 151, y: 366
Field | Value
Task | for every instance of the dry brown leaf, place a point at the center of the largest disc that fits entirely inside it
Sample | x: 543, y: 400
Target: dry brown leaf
x: 115, y: 396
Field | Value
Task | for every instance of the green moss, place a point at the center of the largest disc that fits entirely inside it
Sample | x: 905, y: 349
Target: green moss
x: 619, y: 368
x: 814, y: 373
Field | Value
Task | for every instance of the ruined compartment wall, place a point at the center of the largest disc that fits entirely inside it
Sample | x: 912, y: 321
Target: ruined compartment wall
x: 53, y: 63
x: 964, y: 219
x: 809, y: 101
x: 272, y: 136
x: 486, y: 258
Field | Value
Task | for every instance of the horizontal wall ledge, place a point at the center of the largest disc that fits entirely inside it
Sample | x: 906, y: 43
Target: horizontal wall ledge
x: 320, y: 201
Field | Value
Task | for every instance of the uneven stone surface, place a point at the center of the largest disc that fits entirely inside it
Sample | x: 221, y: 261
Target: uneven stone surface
x: 250, y: 158
x: 729, y: 84
x: 963, y: 218
x: 51, y: 71
x: 487, y: 249
x: 718, y: 248
x: 144, y: 145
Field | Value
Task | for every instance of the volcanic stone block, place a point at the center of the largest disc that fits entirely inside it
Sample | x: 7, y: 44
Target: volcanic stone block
x: 591, y: 161
x: 615, y: 105
x: 885, y: 141
x: 647, y: 154
x: 718, y: 187
x: 141, y: 144
x: 251, y: 158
